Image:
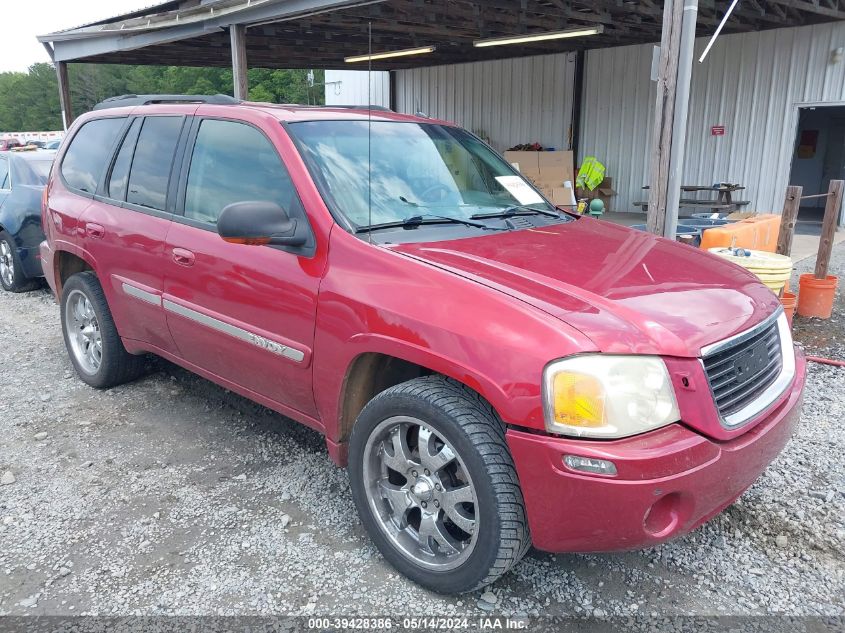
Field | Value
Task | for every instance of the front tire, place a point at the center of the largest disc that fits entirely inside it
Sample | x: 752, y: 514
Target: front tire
x: 11, y: 268
x: 91, y: 338
x: 435, y: 485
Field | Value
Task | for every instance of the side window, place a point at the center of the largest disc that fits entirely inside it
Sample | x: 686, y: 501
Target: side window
x: 4, y: 174
x: 234, y: 162
x: 88, y: 154
x: 119, y: 176
x: 151, y: 165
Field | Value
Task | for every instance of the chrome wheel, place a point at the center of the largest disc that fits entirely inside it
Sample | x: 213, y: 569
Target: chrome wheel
x: 7, y: 264
x: 420, y: 493
x: 83, y: 332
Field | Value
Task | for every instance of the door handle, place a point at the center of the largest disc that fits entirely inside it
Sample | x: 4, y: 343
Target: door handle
x: 183, y: 257
x: 94, y: 230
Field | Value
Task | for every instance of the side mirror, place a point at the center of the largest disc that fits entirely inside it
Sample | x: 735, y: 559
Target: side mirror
x: 258, y: 223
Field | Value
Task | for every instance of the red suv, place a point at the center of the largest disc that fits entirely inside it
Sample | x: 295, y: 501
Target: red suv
x: 7, y: 144
x: 496, y: 373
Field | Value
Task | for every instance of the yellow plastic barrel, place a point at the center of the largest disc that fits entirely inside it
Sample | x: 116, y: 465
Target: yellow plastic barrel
x: 773, y: 270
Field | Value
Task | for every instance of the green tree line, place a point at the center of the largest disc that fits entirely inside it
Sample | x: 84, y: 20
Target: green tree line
x: 30, y: 101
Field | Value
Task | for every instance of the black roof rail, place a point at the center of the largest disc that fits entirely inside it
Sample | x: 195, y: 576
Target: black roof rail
x: 136, y: 100
x: 376, y: 108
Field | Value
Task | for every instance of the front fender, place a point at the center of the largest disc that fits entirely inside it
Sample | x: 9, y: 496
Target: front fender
x: 373, y: 300
x: 436, y: 360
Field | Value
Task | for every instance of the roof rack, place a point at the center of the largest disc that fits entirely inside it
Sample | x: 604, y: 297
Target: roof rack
x: 378, y: 108
x: 346, y: 106
x: 137, y: 100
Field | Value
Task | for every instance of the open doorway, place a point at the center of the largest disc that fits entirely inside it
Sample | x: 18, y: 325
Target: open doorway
x: 819, y: 157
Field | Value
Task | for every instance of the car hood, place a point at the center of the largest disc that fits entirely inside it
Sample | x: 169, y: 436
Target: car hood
x: 628, y: 291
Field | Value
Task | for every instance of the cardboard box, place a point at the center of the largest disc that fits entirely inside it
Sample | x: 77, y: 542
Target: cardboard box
x: 556, y: 167
x: 549, y: 171
x: 563, y: 196
x: 526, y: 163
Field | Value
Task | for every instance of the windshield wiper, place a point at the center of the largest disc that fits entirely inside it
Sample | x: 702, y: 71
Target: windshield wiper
x: 512, y: 211
x: 419, y: 220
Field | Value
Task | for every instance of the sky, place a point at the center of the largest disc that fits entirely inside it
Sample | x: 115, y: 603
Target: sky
x: 22, y: 20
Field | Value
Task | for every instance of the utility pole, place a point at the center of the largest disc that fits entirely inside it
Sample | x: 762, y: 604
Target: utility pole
x: 674, y: 75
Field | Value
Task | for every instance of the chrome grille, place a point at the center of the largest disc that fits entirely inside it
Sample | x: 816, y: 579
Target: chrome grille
x: 740, y: 371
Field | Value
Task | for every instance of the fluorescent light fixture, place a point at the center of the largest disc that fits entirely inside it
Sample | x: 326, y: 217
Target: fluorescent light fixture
x: 389, y: 54
x: 539, y: 37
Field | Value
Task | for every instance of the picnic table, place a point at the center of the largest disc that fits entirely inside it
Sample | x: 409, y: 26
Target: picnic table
x: 723, y: 203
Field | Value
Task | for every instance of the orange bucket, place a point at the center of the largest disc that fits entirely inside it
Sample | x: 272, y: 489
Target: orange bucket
x: 788, y: 300
x: 815, y: 296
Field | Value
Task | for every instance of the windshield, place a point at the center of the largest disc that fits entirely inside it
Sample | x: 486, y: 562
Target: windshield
x: 417, y: 170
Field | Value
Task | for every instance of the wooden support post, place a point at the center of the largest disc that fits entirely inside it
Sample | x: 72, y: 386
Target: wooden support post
x: 64, y: 94
x: 831, y: 219
x: 237, y: 35
x: 788, y: 218
x: 664, y: 118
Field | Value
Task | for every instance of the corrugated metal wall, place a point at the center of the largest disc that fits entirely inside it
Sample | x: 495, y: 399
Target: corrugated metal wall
x: 508, y: 102
x: 349, y: 87
x: 751, y: 83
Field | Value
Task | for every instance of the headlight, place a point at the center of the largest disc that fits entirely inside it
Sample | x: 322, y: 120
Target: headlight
x: 608, y: 396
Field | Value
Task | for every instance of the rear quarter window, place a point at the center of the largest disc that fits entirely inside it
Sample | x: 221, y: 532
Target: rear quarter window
x: 89, y: 153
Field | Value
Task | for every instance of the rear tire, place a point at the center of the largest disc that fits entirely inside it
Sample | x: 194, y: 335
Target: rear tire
x: 436, y: 487
x: 91, y: 338
x: 11, y: 268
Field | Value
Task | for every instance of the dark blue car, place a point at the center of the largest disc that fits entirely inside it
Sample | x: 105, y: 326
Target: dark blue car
x: 23, y: 176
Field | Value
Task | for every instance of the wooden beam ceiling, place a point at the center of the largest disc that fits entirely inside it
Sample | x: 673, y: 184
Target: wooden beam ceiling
x: 323, y: 40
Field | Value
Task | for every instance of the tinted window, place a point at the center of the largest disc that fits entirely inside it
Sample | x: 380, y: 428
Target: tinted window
x: 234, y: 162
x: 89, y: 153
x: 150, y: 172
x: 120, y: 170
x: 4, y: 174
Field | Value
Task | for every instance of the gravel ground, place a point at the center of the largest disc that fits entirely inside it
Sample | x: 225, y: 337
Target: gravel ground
x: 173, y: 496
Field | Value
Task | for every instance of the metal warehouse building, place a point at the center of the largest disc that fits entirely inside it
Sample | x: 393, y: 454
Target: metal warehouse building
x: 766, y: 107
x: 765, y: 88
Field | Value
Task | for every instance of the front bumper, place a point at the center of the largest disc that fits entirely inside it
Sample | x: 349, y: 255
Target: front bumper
x: 669, y: 481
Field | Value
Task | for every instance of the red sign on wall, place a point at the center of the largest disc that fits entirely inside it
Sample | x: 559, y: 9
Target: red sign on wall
x: 717, y: 130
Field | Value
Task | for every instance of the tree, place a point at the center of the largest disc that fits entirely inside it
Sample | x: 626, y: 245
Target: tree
x: 30, y: 101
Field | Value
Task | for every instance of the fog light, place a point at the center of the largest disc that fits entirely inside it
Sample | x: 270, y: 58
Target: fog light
x: 590, y: 465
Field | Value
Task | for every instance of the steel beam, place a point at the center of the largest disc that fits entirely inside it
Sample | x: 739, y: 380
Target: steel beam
x: 79, y: 44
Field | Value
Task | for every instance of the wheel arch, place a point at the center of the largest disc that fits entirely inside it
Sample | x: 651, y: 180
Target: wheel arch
x: 390, y: 363
x: 8, y: 225
x: 67, y: 262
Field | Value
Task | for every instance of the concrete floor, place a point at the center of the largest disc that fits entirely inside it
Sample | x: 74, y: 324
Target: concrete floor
x: 805, y: 243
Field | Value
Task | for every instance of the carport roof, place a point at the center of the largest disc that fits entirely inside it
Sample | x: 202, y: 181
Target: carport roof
x: 321, y: 33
